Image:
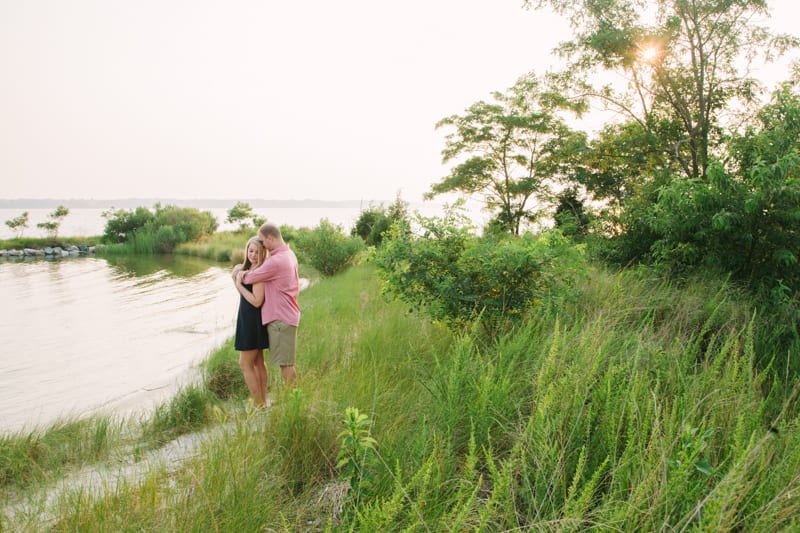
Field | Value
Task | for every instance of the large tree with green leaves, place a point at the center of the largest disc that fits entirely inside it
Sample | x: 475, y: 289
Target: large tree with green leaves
x: 510, y: 151
x: 686, y: 63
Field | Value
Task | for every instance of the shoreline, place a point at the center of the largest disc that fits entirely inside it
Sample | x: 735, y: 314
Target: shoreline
x: 50, y: 252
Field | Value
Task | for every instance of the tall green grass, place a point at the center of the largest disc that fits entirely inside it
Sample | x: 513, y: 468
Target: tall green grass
x: 223, y: 246
x: 17, y: 243
x: 641, y: 407
x: 142, y: 242
x: 30, y: 457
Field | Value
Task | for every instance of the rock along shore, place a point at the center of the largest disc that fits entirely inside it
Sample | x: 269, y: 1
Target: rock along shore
x: 49, y: 252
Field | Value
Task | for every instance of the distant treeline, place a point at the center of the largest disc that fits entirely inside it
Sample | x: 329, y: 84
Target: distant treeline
x: 126, y: 203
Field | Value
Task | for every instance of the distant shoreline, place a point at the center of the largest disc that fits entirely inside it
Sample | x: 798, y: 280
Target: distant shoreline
x: 126, y: 203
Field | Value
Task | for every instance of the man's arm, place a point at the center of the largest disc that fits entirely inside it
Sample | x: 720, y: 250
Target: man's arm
x: 260, y: 274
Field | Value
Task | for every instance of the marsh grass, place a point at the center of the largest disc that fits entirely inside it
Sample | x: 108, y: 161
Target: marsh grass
x: 141, y: 243
x: 18, y: 243
x: 222, y: 246
x: 643, y: 406
x: 30, y: 457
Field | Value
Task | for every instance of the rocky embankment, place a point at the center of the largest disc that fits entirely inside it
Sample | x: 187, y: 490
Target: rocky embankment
x: 49, y: 252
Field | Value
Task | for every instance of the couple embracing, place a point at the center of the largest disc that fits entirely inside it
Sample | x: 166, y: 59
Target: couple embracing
x: 268, y: 283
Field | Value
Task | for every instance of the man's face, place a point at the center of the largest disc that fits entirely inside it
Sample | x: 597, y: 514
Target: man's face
x: 266, y: 241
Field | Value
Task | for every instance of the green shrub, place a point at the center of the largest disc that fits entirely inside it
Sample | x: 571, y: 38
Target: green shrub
x: 121, y: 224
x: 159, y: 231
x: 375, y: 222
x: 457, y: 277
x: 327, y: 248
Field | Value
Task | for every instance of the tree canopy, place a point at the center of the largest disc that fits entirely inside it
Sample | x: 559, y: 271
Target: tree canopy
x: 686, y: 64
x: 510, y: 151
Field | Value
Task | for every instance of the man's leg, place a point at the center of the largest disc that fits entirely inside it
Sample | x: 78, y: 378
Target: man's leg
x: 261, y: 371
x: 289, y: 374
x: 282, y: 341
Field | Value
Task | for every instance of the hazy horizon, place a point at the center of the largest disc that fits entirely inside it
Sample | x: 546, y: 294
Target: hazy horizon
x: 248, y: 100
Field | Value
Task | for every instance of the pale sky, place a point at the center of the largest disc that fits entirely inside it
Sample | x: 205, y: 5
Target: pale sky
x: 238, y: 99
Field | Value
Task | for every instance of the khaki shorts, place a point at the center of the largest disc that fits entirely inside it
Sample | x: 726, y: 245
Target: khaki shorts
x: 282, y: 341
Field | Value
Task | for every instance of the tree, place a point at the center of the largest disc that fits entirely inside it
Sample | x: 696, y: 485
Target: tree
x: 570, y: 215
x: 685, y: 61
x: 743, y: 221
x: 510, y: 151
x: 375, y: 221
x: 618, y: 162
x: 56, y: 217
x: 18, y: 224
x: 241, y: 213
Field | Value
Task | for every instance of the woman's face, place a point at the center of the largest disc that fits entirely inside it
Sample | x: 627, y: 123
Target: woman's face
x: 252, y: 253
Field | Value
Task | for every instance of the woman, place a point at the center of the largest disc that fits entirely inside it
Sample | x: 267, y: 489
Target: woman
x: 251, y: 335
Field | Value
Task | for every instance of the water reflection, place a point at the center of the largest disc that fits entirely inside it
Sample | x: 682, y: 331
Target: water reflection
x: 145, y: 265
x: 86, y: 333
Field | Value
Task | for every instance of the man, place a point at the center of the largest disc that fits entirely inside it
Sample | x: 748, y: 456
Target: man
x: 280, y: 312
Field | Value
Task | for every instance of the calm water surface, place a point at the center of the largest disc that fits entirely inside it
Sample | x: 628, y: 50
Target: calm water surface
x: 86, y: 335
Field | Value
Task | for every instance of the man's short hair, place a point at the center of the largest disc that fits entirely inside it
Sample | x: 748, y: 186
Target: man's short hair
x: 270, y: 229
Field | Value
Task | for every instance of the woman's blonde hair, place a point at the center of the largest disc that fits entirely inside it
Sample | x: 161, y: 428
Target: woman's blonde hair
x: 262, y: 253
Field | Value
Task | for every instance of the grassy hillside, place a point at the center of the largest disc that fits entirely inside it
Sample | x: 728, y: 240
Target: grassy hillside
x: 639, y: 408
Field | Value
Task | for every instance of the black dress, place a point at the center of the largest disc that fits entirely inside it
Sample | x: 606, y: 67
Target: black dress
x: 251, y: 334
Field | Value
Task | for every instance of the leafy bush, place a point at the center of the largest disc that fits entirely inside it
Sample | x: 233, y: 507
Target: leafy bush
x: 457, y: 277
x: 374, y: 222
x: 160, y: 230
x: 121, y: 224
x: 327, y: 248
x: 739, y: 217
x: 745, y: 227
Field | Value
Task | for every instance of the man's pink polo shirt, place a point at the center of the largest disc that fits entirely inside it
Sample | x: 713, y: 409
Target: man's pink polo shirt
x: 281, y: 286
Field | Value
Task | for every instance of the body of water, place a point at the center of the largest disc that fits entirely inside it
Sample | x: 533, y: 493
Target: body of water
x: 85, y: 335
x: 87, y: 222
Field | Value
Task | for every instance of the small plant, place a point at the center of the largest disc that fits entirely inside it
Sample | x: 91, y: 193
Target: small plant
x: 52, y: 225
x: 691, y: 451
x: 357, y: 452
x: 18, y: 224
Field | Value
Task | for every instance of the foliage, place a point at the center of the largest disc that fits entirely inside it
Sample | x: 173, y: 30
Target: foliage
x: 458, y: 278
x: 122, y: 224
x: 157, y: 231
x: 638, y: 407
x: 222, y: 375
x: 739, y: 222
x: 621, y: 161
x: 685, y: 62
x: 374, y: 222
x: 18, y: 224
x: 242, y: 213
x: 51, y: 226
x: 571, y: 216
x: 326, y: 248
x: 31, y: 457
x: 356, y: 453
x: 187, y: 411
x: 510, y: 152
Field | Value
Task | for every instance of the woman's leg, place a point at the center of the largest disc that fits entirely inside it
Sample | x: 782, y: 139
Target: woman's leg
x: 260, y: 369
x: 247, y: 364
